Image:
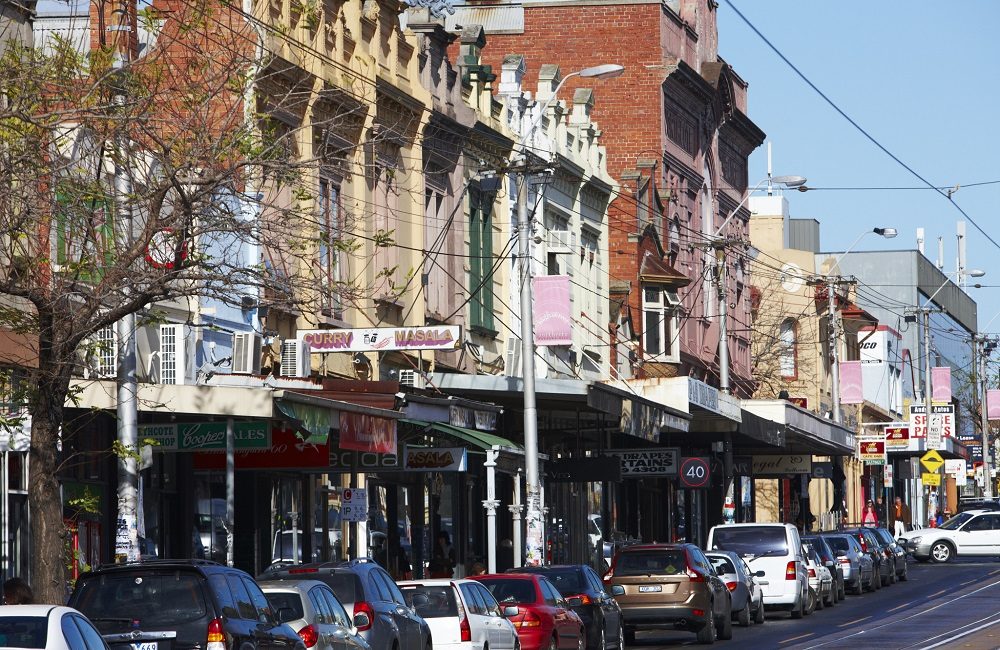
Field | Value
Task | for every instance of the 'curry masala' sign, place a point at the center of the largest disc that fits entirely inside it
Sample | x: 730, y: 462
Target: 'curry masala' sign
x: 382, y: 339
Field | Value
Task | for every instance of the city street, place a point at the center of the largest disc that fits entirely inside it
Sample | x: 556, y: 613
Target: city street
x: 947, y: 606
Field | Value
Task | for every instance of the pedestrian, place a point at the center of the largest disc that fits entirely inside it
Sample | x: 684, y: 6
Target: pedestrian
x: 442, y: 563
x: 869, y: 518
x: 17, y: 591
x: 477, y: 569
x: 881, y: 511
x: 903, y: 517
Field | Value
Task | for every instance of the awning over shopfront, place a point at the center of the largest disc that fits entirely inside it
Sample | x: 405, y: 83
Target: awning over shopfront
x: 363, y: 428
x: 805, y: 432
x: 479, y: 440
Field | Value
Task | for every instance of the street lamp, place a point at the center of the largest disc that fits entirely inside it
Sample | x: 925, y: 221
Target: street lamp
x: 534, y: 513
x: 832, y: 282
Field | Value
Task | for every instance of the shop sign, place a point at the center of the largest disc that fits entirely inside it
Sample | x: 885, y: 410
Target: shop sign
x: 702, y: 395
x: 207, y: 436
x: 673, y: 422
x: 583, y: 470
x: 383, y: 339
x: 730, y: 407
x: 287, y: 451
x: 640, y: 463
x: 887, y: 476
x: 956, y: 466
x: 742, y: 465
x: 695, y: 473
x: 364, y: 432
x: 871, y: 451
x: 435, y: 459
x: 772, y: 465
x: 467, y: 418
x: 354, y: 504
x: 347, y: 461
x: 822, y: 470
x: 918, y: 419
x: 897, y: 437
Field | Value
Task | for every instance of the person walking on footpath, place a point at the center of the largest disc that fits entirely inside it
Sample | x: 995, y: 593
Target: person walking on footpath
x: 882, y: 512
x: 902, y: 519
x: 17, y: 591
x: 443, y: 559
x: 869, y: 518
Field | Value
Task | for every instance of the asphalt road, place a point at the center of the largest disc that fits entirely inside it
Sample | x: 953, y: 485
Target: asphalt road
x: 946, y: 606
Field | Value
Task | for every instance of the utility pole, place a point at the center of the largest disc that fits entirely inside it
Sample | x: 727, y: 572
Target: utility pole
x: 980, y: 350
x: 834, y: 312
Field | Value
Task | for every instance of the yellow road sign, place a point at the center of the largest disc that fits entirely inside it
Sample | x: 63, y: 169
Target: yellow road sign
x: 932, y: 461
x: 930, y: 479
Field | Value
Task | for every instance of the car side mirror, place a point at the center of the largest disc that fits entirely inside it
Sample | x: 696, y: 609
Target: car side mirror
x: 617, y: 590
x: 511, y: 610
x: 575, y: 601
x: 361, y: 620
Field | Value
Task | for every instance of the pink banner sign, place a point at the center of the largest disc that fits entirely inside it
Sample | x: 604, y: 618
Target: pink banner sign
x: 363, y: 432
x: 941, y: 384
x: 553, y: 324
x: 851, y: 391
x: 993, y: 404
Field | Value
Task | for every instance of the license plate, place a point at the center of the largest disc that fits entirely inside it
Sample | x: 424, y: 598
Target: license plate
x: 645, y: 589
x: 149, y: 645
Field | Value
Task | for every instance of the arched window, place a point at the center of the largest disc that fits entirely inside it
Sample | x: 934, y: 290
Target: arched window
x: 787, y: 339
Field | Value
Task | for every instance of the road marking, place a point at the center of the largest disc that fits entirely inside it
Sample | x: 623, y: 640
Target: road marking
x: 966, y: 584
x: 900, y: 607
x: 938, y: 593
x: 855, y: 622
x: 951, y: 634
x: 796, y: 638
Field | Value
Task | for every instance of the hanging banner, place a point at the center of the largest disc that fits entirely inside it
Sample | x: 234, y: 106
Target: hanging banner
x: 850, y: 383
x: 941, y: 384
x: 897, y: 437
x: 551, y: 311
x: 363, y: 432
x: 993, y: 404
x: 383, y: 339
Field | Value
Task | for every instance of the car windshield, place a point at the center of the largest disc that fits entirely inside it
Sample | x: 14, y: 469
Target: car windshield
x: 24, y: 631
x: 152, y: 598
x: 722, y: 564
x: 651, y: 562
x: 751, y: 540
x: 956, y: 522
x: 569, y: 582
x: 431, y: 601
x: 279, y: 600
x: 511, y: 590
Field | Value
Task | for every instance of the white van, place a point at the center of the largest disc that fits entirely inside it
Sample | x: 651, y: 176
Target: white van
x: 775, y: 549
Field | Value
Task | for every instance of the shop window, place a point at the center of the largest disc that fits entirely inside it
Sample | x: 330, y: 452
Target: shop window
x: 788, y: 354
x: 660, y: 327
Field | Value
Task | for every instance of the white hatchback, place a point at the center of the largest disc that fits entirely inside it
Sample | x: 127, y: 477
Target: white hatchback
x: 48, y: 627
x: 462, y: 614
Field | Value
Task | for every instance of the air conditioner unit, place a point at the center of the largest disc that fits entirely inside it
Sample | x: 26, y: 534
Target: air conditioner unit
x: 173, y: 355
x: 411, y: 378
x: 560, y: 241
x: 296, y: 360
x: 246, y: 353
x: 513, y: 362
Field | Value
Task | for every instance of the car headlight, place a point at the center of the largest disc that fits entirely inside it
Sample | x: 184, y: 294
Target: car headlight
x: 915, y: 540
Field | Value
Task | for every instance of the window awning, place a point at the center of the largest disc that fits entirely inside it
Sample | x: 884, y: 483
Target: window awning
x: 480, y: 440
x: 318, y: 415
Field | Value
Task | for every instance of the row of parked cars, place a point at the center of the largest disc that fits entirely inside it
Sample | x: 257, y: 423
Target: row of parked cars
x: 356, y: 605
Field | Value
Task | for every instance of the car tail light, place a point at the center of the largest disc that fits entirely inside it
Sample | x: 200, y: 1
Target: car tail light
x: 694, y: 576
x: 529, y: 619
x: 464, y: 628
x: 309, y: 570
x: 362, y: 607
x: 309, y: 636
x: 812, y: 572
x: 216, y: 637
x: 844, y: 560
x: 697, y: 612
x: 731, y: 586
x: 584, y: 599
x: 826, y: 559
x: 790, y: 573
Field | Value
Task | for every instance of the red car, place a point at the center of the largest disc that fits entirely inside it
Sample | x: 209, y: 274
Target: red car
x: 544, y: 620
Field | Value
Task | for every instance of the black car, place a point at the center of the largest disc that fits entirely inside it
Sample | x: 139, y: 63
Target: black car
x: 365, y: 589
x: 882, y: 558
x: 829, y: 559
x: 600, y: 612
x: 897, y: 551
x: 180, y: 604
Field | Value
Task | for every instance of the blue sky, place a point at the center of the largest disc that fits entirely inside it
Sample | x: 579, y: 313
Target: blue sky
x: 921, y: 78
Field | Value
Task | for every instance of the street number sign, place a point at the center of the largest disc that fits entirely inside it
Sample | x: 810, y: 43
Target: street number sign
x: 932, y: 461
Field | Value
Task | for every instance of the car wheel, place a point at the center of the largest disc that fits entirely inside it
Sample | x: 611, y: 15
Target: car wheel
x: 892, y: 574
x: 810, y: 602
x: 842, y: 592
x: 706, y: 635
x: 941, y: 552
x: 725, y: 631
x: 878, y: 579
x: 759, y: 614
x: 819, y: 602
x: 832, y: 598
x: 799, y: 610
x: 858, y: 588
x: 744, y: 615
x: 621, y: 638
x: 906, y: 573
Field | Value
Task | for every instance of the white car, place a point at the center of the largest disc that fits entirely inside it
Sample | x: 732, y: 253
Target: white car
x: 969, y: 533
x: 51, y: 627
x: 775, y: 549
x: 312, y: 609
x: 462, y: 614
x: 820, y: 578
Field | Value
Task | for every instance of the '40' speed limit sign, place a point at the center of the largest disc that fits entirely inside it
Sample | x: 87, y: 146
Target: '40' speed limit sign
x: 695, y: 472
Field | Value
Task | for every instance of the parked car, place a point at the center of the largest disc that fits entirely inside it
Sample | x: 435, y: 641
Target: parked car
x: 364, y: 587
x: 48, y: 627
x: 313, y: 611
x: 829, y: 559
x: 896, y: 550
x: 463, y: 614
x: 599, y: 611
x: 871, y: 545
x: 181, y: 603
x: 748, y: 597
x: 977, y: 503
x: 820, y: 580
x: 775, y: 549
x: 670, y: 586
x: 969, y: 533
x: 856, y: 564
x: 544, y: 619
